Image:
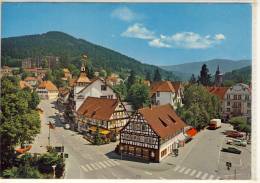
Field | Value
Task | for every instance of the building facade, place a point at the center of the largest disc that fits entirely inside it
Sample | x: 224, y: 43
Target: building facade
x: 237, y: 101
x: 152, y: 133
x: 47, y: 90
x: 166, y: 92
x: 106, y: 114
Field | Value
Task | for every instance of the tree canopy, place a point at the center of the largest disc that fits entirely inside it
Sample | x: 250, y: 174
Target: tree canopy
x: 199, y: 106
x: 205, y: 77
x: 20, y: 122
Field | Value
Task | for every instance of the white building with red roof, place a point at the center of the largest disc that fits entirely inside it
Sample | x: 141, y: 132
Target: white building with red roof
x: 47, y: 90
x: 166, y: 92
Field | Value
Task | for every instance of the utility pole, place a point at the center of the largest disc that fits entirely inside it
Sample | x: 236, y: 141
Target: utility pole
x: 49, y: 138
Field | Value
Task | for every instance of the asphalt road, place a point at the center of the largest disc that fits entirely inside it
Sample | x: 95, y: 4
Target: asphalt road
x: 199, y: 159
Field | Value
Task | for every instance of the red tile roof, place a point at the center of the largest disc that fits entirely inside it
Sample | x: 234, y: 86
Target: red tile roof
x: 98, y: 108
x: 48, y: 85
x: 176, y: 85
x: 163, y: 120
x: 218, y: 91
x: 23, y: 85
x: 162, y: 86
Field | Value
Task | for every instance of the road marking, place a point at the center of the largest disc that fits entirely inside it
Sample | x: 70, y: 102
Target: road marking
x: 89, y: 167
x: 187, y: 171
x: 204, y: 176
x: 116, y: 162
x: 93, y: 166
x: 148, y: 173
x: 102, y: 164
x: 211, y: 177
x: 84, y: 168
x: 198, y: 174
x: 107, y: 163
x: 181, y: 170
x: 176, y: 168
x: 98, y: 165
x: 193, y: 172
x: 111, y: 163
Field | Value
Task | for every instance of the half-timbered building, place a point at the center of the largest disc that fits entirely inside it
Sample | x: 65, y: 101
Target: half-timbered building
x: 106, y: 114
x: 152, y: 133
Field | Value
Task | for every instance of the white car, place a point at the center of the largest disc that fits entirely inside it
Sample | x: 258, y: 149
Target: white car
x: 67, y: 126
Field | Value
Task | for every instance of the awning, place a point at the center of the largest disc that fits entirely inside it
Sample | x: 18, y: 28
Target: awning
x: 101, y: 131
x: 191, y: 132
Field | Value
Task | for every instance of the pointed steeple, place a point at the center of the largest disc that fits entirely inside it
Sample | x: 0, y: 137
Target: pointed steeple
x: 83, y: 79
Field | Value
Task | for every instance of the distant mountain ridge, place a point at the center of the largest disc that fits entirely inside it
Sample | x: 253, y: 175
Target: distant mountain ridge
x: 187, y: 69
x: 240, y: 75
x: 70, y: 49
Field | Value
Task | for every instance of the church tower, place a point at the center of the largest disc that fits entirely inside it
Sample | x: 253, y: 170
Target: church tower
x: 218, y: 78
x: 82, y: 80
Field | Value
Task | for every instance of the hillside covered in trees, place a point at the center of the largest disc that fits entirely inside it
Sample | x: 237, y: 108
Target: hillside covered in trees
x: 69, y: 49
x: 240, y: 75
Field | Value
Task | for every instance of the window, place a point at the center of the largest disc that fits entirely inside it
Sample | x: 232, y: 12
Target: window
x: 228, y: 103
x: 158, y: 102
x: 144, y: 127
x: 248, y: 104
x: 235, y: 97
x: 164, y: 152
x: 228, y: 96
x: 158, y: 94
x: 239, y: 97
x: 228, y: 109
x: 103, y: 96
x: 246, y: 97
x: 239, y: 104
x: 103, y: 87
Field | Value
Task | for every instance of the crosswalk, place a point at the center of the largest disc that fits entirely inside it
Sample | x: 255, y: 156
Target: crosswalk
x: 99, y: 165
x: 195, y: 173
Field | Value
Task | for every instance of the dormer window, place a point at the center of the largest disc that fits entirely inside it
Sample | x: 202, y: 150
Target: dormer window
x: 103, y: 87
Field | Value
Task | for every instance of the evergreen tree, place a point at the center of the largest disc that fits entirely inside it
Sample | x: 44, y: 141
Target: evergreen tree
x: 157, y: 75
x: 204, y: 77
x: 131, y: 79
x: 193, y: 79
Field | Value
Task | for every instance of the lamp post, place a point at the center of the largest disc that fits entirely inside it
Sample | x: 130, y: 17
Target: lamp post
x: 53, y: 167
x: 152, y: 155
x: 121, y: 149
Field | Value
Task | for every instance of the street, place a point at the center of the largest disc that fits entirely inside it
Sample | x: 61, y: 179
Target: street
x: 201, y: 158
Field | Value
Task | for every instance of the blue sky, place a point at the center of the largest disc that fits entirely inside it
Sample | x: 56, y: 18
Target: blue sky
x: 159, y: 34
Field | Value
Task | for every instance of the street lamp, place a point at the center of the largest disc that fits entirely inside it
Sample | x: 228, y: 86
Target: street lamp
x: 121, y: 149
x: 53, y: 167
x: 152, y: 155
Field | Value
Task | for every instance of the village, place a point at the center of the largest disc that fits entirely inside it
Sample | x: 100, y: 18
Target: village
x: 149, y: 134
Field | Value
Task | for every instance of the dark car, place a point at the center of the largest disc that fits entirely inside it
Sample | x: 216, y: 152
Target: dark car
x: 235, y: 135
x: 231, y: 150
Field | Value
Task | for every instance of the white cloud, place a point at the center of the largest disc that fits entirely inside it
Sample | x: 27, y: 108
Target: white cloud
x: 158, y: 43
x: 138, y: 31
x: 219, y: 37
x: 185, y: 40
x: 124, y: 13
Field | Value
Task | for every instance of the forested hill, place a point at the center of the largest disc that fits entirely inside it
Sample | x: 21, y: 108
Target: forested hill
x: 69, y: 49
x: 240, y: 75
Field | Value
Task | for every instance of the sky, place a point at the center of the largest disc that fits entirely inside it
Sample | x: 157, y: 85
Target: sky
x: 155, y: 33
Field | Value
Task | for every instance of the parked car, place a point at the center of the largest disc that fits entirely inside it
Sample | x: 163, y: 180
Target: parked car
x: 214, y: 124
x: 67, y: 126
x: 239, y: 142
x: 231, y: 150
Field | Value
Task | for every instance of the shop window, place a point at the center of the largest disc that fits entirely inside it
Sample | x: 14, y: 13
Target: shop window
x: 164, y: 152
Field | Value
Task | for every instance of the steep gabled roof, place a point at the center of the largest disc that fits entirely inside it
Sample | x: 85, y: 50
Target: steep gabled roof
x: 98, y: 108
x: 23, y: 85
x: 176, y: 85
x: 162, y: 119
x: 83, y: 78
x: 92, y: 81
x: 48, y: 85
x: 161, y: 86
x: 218, y: 91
